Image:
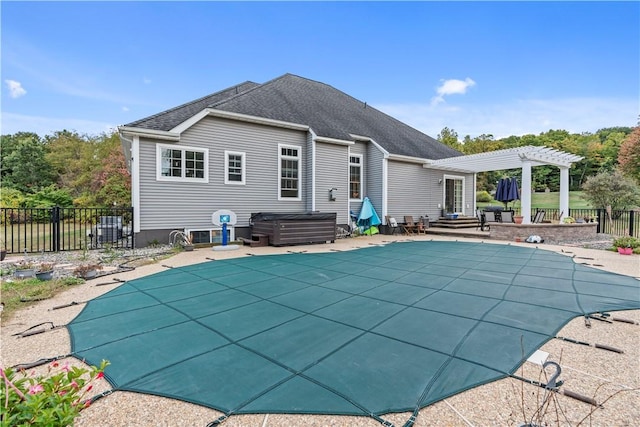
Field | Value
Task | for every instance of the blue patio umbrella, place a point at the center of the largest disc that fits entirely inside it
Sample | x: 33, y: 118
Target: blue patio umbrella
x: 513, y: 193
x: 507, y: 190
x: 502, y: 190
x: 368, y: 218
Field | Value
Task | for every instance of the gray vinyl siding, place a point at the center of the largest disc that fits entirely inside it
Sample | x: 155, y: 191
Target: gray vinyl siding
x: 409, y: 190
x: 416, y: 191
x: 332, y: 171
x: 374, y: 178
x: 166, y: 205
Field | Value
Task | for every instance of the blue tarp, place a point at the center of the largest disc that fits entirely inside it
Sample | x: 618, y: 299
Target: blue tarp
x: 368, y: 218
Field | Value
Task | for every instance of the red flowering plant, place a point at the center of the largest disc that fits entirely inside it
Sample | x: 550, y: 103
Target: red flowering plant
x: 53, y: 399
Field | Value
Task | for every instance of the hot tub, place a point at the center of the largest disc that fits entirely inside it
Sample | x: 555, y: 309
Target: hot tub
x: 295, y: 228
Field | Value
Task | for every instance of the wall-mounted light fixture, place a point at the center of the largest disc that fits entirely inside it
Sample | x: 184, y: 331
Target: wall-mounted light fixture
x: 333, y: 194
x: 440, y: 181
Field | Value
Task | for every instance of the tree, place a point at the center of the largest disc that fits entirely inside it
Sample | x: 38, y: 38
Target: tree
x: 449, y: 137
x: 611, y: 189
x: 111, y: 181
x: 629, y: 155
x: 71, y: 156
x: 24, y: 166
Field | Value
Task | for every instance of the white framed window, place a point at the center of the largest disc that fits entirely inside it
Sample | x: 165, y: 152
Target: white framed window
x: 289, y: 172
x: 234, y: 168
x: 210, y: 235
x: 181, y: 163
x: 355, y: 177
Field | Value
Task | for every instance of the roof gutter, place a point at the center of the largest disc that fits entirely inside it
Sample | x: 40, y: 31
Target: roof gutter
x: 408, y: 159
x: 255, y: 119
x: 333, y: 140
x: 149, y: 133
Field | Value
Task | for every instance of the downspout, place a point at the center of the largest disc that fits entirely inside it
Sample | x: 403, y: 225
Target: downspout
x: 135, y: 182
x: 385, y: 185
x: 134, y: 169
x: 313, y: 169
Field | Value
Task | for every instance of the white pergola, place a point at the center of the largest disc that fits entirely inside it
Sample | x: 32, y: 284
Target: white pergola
x: 513, y: 158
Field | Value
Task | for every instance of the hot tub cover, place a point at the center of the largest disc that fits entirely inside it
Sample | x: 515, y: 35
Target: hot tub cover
x: 366, y: 332
x: 274, y: 216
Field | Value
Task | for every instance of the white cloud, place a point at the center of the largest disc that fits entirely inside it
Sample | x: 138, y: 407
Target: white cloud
x: 451, y: 87
x: 146, y: 81
x: 520, y: 117
x: 15, y: 89
x: 125, y: 109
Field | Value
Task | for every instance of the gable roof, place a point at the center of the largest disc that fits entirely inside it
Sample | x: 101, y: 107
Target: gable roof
x: 327, y: 111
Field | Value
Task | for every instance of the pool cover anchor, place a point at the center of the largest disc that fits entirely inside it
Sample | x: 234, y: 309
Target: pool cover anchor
x: 606, y: 316
x: 31, y: 331
x: 595, y: 345
x: 39, y: 362
x: 554, y: 386
x: 113, y: 282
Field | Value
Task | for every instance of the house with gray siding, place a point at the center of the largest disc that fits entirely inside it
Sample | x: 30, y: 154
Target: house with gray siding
x: 287, y: 145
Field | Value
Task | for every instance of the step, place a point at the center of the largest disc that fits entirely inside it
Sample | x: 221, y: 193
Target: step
x: 257, y: 240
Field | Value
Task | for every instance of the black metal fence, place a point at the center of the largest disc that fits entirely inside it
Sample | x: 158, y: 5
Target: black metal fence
x: 65, y: 229
x: 616, y: 223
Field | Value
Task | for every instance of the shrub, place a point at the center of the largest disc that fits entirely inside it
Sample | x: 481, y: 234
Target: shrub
x: 611, y: 189
x: 483, y: 196
x: 54, y: 399
x: 626, y: 242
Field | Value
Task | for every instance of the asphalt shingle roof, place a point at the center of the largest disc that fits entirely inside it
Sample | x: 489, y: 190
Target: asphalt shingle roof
x: 328, y: 111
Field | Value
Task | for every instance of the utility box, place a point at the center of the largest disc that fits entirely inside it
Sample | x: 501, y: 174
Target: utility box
x: 109, y: 229
x: 295, y: 228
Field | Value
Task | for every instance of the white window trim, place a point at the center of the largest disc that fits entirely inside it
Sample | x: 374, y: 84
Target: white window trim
x: 226, y: 167
x: 299, y: 158
x: 183, y: 148
x: 359, y: 199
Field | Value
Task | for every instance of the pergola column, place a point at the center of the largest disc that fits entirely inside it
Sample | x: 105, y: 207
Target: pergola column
x: 525, y: 193
x: 564, y: 192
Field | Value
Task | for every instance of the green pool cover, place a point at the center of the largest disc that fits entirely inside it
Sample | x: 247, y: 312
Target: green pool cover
x: 366, y: 332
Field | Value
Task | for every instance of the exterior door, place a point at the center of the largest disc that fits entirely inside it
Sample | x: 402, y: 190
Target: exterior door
x: 454, y: 194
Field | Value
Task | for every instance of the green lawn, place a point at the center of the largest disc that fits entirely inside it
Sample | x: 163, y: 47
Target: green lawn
x: 547, y: 201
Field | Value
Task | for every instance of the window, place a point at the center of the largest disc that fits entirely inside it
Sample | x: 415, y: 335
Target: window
x: 454, y: 194
x: 181, y: 163
x: 289, y: 171
x: 210, y: 235
x: 355, y: 177
x: 234, y: 168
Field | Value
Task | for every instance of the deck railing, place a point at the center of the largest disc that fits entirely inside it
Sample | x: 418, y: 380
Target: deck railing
x: 618, y: 223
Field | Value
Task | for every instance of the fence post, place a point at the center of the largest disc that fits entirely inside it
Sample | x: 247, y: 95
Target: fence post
x: 133, y: 243
x: 55, y: 234
x: 599, y: 228
x: 631, y: 214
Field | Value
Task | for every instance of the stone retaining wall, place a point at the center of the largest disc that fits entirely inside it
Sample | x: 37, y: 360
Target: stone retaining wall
x: 551, y: 233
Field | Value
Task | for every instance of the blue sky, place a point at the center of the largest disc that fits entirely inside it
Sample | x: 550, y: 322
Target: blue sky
x: 503, y: 68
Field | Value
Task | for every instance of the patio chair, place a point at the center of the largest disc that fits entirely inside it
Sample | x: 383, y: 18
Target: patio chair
x: 482, y: 225
x: 539, y: 217
x: 392, y: 224
x: 421, y: 227
x: 409, y: 226
x: 507, y: 216
x: 489, y: 217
